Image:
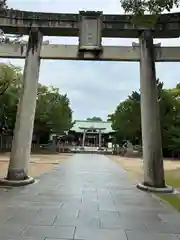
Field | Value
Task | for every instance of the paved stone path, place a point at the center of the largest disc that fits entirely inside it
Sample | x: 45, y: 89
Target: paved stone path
x: 86, y: 197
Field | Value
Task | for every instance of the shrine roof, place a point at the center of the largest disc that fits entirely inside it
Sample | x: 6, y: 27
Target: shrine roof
x: 80, y: 125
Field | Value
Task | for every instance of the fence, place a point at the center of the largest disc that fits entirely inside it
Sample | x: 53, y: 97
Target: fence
x: 6, y: 144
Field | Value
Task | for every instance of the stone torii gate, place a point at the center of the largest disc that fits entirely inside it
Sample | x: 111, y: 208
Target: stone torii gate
x: 90, y: 27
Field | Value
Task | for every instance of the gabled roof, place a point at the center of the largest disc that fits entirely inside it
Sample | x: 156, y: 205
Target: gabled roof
x: 80, y: 125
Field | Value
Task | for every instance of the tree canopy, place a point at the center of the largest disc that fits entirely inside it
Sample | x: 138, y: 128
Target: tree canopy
x: 140, y: 7
x: 9, y: 75
x: 126, y: 119
x: 3, y: 4
x: 53, y: 112
x: 94, y: 119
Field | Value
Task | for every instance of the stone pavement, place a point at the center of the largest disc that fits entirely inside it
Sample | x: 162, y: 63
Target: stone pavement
x: 85, y: 197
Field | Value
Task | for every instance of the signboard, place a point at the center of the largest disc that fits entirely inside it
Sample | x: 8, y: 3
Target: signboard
x: 90, y: 31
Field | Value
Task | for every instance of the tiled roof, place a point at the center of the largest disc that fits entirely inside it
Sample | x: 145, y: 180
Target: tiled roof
x: 79, y: 126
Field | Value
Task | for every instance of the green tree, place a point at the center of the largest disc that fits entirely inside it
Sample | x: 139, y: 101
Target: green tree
x: 3, y: 4
x: 170, y: 121
x: 127, y: 122
x: 126, y: 119
x: 9, y: 75
x: 94, y: 119
x: 10, y: 85
x: 154, y: 7
x: 53, y: 113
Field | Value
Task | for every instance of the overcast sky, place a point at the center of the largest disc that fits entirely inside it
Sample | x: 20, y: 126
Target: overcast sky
x: 94, y: 88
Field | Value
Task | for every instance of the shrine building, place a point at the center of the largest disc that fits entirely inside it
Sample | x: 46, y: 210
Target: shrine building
x: 88, y: 133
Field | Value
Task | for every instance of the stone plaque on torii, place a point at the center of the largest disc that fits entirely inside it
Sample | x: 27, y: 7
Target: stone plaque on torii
x: 90, y: 34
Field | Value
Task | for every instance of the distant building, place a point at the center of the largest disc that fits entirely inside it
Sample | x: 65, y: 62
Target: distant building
x: 91, y: 133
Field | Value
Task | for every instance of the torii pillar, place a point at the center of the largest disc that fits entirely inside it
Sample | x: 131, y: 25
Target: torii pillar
x: 21, y: 145
x: 150, y: 119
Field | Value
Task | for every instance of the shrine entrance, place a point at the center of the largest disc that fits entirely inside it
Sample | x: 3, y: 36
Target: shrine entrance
x: 90, y: 27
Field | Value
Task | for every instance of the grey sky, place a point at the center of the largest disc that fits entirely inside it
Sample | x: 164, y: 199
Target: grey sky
x: 94, y: 88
